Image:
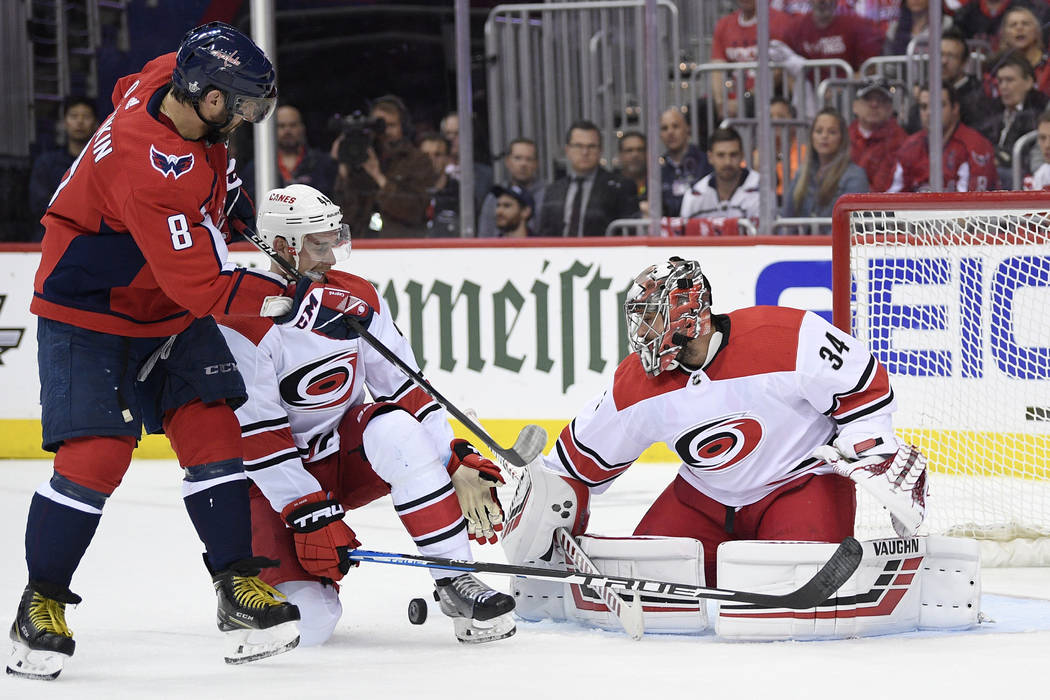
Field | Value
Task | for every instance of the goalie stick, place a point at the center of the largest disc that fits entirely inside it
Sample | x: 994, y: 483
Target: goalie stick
x: 825, y: 582
x: 628, y: 613
x: 532, y: 438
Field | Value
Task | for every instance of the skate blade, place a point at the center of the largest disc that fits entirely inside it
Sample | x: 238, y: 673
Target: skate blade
x: 245, y: 646
x: 35, y: 665
x: 470, y: 631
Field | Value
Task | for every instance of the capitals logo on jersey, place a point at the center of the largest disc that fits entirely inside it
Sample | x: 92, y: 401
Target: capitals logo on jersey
x: 721, y: 444
x: 320, y: 384
x: 170, y: 165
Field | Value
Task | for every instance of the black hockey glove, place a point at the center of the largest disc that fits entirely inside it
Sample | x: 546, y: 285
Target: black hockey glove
x: 325, y: 310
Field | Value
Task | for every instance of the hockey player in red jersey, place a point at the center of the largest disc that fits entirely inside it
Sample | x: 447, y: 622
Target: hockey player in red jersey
x: 768, y: 408
x: 133, y: 267
x: 314, y: 447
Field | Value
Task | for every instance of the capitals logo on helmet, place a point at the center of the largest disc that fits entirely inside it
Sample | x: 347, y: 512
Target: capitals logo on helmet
x: 215, y: 56
x: 667, y: 306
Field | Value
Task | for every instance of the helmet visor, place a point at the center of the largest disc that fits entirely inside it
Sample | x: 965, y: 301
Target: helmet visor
x: 330, y: 247
x: 253, y: 109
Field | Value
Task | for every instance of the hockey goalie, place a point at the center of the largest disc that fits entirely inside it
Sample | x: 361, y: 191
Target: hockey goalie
x: 777, y: 417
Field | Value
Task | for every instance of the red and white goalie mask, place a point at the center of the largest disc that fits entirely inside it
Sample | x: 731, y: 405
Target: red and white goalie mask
x: 668, y: 305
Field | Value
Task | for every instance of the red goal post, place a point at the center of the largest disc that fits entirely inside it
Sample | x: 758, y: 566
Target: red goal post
x: 952, y: 293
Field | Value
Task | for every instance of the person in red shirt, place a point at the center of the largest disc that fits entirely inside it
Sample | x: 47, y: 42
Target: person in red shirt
x: 875, y: 136
x: 133, y: 267
x: 735, y: 41
x: 968, y: 157
x: 823, y: 34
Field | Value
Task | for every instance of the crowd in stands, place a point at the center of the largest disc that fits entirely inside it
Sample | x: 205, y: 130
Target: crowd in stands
x: 401, y: 184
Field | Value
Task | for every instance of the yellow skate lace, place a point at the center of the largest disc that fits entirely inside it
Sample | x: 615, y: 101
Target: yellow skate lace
x: 253, y: 592
x: 49, y: 615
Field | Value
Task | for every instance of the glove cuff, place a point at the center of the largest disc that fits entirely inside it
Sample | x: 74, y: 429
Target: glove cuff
x: 312, y: 512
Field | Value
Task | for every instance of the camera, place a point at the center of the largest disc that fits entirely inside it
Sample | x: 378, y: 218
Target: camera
x: 359, y: 134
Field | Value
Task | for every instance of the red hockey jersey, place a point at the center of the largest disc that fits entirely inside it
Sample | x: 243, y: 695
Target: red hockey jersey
x: 782, y: 383
x: 968, y: 163
x: 300, y: 385
x: 133, y: 243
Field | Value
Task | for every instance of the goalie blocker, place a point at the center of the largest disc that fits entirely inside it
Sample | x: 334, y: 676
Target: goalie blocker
x: 901, y: 585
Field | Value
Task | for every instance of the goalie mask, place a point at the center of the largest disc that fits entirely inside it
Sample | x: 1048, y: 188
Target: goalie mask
x: 310, y: 224
x: 668, y: 305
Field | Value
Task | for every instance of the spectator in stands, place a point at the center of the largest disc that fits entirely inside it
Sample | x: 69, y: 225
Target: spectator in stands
x: 483, y: 177
x: 589, y: 197
x: 682, y: 164
x: 732, y: 189
x: 514, y: 207
x: 442, y: 218
x: 785, y: 145
x: 981, y: 19
x: 735, y: 41
x: 296, y: 162
x: 633, y: 166
x: 1041, y: 177
x: 875, y: 136
x: 973, y: 103
x: 823, y: 34
x: 383, y: 191
x: 79, y: 120
x: 1015, y: 112
x: 968, y: 158
x: 1020, y: 31
x: 912, y: 21
x: 827, y: 172
x: 522, y: 163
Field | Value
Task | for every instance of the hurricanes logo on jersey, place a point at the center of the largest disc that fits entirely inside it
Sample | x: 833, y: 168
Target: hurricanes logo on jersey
x: 321, y: 384
x: 721, y: 444
x: 170, y: 165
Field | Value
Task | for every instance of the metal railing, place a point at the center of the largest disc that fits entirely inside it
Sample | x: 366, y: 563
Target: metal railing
x: 676, y: 226
x: 553, y: 63
x: 1017, y: 166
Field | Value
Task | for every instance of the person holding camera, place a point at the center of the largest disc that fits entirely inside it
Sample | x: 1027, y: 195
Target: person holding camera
x: 383, y: 179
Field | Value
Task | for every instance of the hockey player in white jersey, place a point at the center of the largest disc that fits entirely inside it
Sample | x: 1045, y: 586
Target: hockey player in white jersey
x: 769, y: 410
x: 314, y: 448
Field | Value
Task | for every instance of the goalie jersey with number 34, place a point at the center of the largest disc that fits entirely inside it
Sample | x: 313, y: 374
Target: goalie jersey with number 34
x: 781, y: 383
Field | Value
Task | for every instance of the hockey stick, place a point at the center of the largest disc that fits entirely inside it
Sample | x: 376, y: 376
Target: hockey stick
x: 629, y: 614
x: 532, y: 438
x: 832, y: 575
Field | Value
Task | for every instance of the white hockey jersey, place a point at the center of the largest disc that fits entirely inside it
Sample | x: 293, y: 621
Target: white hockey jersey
x: 300, y: 385
x: 783, y: 382
x: 702, y: 198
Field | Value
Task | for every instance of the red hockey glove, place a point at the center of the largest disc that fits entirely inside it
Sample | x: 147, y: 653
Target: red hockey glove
x: 324, y: 310
x: 322, y: 539
x: 476, y: 491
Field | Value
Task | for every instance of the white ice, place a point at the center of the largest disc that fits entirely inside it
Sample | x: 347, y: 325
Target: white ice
x: 146, y: 627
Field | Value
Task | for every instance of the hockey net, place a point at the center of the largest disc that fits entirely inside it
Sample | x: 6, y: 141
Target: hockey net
x: 952, y: 294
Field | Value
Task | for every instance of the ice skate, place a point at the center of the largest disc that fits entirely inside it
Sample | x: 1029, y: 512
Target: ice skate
x: 479, y: 614
x: 41, y: 640
x: 251, y: 613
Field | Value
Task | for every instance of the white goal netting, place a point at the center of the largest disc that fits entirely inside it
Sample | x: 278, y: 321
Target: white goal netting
x: 956, y: 304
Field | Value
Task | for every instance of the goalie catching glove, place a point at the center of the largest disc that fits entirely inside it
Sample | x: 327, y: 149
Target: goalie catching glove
x: 324, y: 310
x: 475, y: 486
x: 322, y: 539
x: 897, y: 481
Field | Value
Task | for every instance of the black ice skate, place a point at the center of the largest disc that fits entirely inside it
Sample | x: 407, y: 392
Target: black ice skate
x: 479, y: 614
x: 257, y: 624
x: 42, y: 642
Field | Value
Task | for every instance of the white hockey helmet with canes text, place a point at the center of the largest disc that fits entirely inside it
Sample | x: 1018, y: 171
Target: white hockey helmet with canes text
x: 668, y: 305
x: 307, y: 220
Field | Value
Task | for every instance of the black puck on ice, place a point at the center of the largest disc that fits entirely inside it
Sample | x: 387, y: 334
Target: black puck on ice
x: 417, y: 611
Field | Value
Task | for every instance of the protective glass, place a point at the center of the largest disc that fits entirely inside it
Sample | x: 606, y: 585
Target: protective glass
x: 332, y: 247
x: 253, y: 109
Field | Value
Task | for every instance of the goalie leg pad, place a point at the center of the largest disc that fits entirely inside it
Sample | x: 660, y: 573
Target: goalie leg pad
x: 676, y: 559
x: 319, y: 609
x: 884, y: 596
x: 543, y: 502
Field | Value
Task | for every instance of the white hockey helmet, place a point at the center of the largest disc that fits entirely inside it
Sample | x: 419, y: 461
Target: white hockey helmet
x: 297, y: 211
x: 667, y: 306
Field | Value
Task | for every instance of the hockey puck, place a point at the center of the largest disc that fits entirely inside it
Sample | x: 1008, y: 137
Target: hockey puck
x: 417, y: 611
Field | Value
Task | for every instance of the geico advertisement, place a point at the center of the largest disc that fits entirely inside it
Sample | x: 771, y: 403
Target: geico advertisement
x: 528, y: 333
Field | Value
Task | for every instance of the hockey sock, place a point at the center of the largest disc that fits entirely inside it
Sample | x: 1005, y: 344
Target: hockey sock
x: 216, y: 498
x: 63, y: 517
